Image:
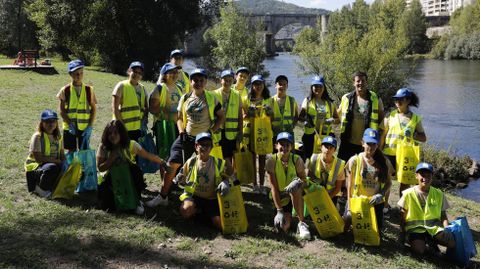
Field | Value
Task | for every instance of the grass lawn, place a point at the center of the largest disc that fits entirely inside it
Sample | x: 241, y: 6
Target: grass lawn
x: 37, y: 233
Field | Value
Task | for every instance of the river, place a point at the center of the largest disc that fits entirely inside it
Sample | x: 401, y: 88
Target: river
x: 449, y: 93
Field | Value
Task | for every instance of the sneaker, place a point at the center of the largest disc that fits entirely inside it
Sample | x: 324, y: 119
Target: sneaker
x: 140, y: 209
x: 158, y: 200
x: 302, y: 231
x: 42, y: 193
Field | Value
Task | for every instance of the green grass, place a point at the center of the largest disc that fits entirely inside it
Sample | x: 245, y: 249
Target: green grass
x: 36, y: 233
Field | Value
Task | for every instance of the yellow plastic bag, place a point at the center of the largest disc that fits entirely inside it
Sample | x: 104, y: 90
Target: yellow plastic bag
x: 68, y: 182
x: 232, y: 211
x: 408, y: 157
x: 323, y: 212
x: 244, y: 165
x: 262, y: 135
x: 364, y: 222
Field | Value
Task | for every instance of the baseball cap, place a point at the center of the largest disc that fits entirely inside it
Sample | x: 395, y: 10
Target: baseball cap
x: 177, y: 51
x: 330, y: 140
x: 74, y: 65
x: 280, y: 77
x: 317, y: 80
x: 403, y: 92
x: 136, y: 64
x: 198, y: 71
x: 370, y: 136
x: 203, y: 136
x: 227, y: 72
x: 424, y: 166
x: 168, y: 67
x: 285, y: 136
x: 242, y: 69
x: 48, y: 114
x: 257, y: 78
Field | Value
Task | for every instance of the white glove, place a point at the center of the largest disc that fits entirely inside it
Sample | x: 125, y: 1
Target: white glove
x: 376, y: 199
x: 296, y: 184
x: 407, y: 132
x: 279, y: 219
x: 223, y: 188
x: 329, y: 120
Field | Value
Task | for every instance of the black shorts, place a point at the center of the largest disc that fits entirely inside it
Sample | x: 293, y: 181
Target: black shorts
x: 188, y: 148
x: 208, y: 207
x: 73, y: 142
x: 228, y: 146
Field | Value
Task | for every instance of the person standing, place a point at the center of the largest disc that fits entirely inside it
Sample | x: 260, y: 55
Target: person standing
x: 242, y: 75
x: 176, y: 58
x: 78, y: 109
x: 129, y: 102
x: 285, y: 108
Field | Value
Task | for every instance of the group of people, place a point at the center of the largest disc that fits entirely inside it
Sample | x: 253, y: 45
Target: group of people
x: 202, y: 121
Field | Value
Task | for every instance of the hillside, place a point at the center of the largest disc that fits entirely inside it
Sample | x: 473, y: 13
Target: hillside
x: 275, y: 7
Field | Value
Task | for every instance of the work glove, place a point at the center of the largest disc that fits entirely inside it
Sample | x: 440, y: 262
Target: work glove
x: 309, y: 121
x: 329, y: 121
x: 296, y: 184
x: 407, y: 132
x: 268, y: 110
x: 376, y: 199
x: 87, y: 132
x: 179, y: 178
x: 251, y: 111
x: 279, y: 219
x: 223, y: 188
x: 71, y: 128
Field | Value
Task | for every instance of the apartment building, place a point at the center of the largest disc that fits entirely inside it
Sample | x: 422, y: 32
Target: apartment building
x: 441, y: 7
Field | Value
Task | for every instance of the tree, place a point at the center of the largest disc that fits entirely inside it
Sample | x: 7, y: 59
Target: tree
x: 413, y: 25
x: 233, y: 42
x: 17, y: 31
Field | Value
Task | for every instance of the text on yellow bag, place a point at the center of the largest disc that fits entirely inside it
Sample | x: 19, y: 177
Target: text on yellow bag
x: 244, y: 165
x: 364, y: 222
x: 323, y: 212
x: 232, y: 211
x: 262, y: 135
x: 407, y: 157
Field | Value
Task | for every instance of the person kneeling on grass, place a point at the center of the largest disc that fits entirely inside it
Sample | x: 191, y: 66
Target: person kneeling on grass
x: 117, y: 148
x: 286, y: 172
x: 424, y: 214
x: 204, y: 175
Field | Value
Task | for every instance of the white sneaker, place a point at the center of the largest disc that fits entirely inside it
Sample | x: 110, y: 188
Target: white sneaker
x: 42, y: 193
x: 140, y: 209
x: 302, y: 231
x: 157, y: 201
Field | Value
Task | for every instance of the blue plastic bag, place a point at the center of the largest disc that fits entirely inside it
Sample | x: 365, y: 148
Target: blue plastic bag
x: 147, y: 144
x: 87, y: 158
x: 465, y: 245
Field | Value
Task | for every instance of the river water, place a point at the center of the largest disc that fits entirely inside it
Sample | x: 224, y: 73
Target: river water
x: 449, y: 93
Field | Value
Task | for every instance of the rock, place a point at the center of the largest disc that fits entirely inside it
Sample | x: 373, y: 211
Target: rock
x: 474, y: 170
x: 461, y: 185
x: 207, y: 250
x: 162, y: 245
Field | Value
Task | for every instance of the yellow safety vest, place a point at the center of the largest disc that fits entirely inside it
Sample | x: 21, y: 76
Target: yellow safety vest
x: 283, y: 122
x: 31, y: 164
x: 337, y: 166
x: 128, y: 153
x: 418, y: 219
x: 285, y: 177
x: 163, y: 98
x: 184, y: 83
x: 395, y: 132
x: 358, y: 189
x: 231, y: 114
x: 132, y: 107
x: 344, y: 105
x: 192, y: 178
x: 243, y: 92
x: 78, y: 108
x: 325, y: 128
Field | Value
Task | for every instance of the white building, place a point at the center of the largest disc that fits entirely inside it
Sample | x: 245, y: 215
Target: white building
x: 441, y: 7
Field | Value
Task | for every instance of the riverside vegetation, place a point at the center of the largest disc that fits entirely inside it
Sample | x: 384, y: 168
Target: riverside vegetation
x: 38, y: 233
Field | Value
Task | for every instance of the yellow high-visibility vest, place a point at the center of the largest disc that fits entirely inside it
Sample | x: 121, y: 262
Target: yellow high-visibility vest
x: 31, y: 164
x: 132, y: 107
x: 345, y: 103
x: 427, y: 219
x: 395, y: 132
x: 192, y: 180
x: 283, y: 122
x: 337, y: 166
x: 78, y: 108
x: 325, y: 128
x: 231, y: 114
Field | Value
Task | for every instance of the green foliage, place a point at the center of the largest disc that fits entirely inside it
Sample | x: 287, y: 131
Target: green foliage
x: 17, y: 30
x: 274, y: 7
x: 413, y: 26
x: 233, y: 42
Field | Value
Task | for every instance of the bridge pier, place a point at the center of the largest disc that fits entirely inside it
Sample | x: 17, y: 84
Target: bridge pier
x: 270, y: 48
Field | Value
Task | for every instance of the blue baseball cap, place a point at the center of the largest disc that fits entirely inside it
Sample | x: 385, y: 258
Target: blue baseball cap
x: 370, y: 136
x: 177, y: 51
x: 74, y: 65
x: 424, y: 166
x: 136, y: 64
x: 168, y: 67
x: 203, y: 136
x: 317, y: 80
x: 199, y: 71
x: 330, y: 140
x: 403, y: 92
x: 281, y: 77
x: 285, y: 136
x: 242, y: 69
x: 227, y: 72
x: 257, y: 78
x: 48, y: 114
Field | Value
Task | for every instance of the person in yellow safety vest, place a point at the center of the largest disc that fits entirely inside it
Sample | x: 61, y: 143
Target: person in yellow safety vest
x: 401, y: 124
x: 129, y: 102
x: 176, y: 58
x: 198, y: 111
x: 327, y: 170
x: 368, y: 174
x: 46, y: 156
x: 424, y: 214
x: 242, y: 75
x: 78, y: 108
x: 358, y: 110
x: 163, y: 100
x: 286, y: 173
x: 258, y: 99
x: 204, y: 176
x: 232, y: 130
x: 285, y: 108
x: 318, y: 113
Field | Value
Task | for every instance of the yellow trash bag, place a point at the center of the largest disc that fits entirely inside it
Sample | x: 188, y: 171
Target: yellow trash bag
x: 364, y: 222
x: 323, y: 212
x: 262, y: 135
x: 244, y: 165
x: 232, y: 211
x: 408, y: 157
x: 68, y: 181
